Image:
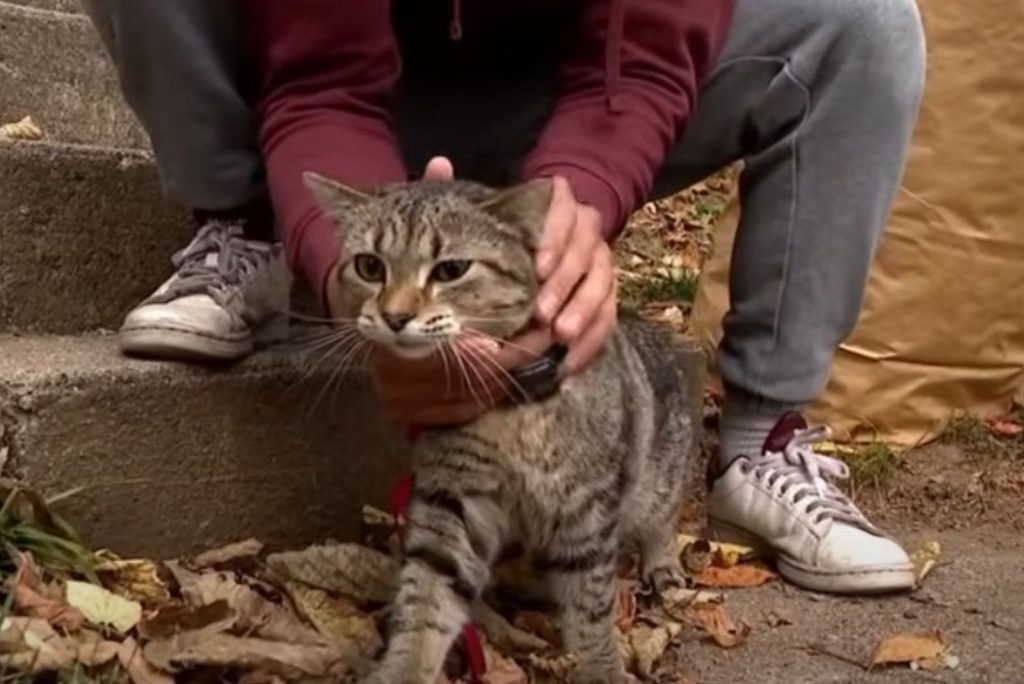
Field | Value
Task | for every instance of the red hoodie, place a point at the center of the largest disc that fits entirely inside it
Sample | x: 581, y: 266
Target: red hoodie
x: 328, y: 69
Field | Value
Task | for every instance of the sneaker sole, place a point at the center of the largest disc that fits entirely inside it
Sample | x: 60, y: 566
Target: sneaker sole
x: 182, y: 345
x: 863, y: 581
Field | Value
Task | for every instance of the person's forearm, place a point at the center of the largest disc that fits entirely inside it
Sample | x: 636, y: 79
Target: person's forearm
x: 327, y: 70
x: 628, y: 86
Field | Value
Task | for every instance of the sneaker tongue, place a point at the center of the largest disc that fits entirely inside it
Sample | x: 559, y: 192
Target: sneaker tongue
x: 783, y: 431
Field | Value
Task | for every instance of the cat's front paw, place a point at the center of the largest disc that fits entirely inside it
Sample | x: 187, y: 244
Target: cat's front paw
x: 666, y: 578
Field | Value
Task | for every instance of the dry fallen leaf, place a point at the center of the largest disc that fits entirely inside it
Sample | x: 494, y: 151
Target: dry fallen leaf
x: 32, y: 645
x: 255, y: 614
x: 26, y: 129
x: 32, y: 599
x: 375, y: 516
x: 541, y: 624
x: 735, y: 577
x: 675, y: 602
x: 503, y: 635
x: 696, y: 556
x: 258, y: 677
x: 137, y: 579
x: 246, y: 548
x: 713, y: 619
x: 290, y: 660
x: 141, y: 672
x: 337, y: 618
x: 647, y: 644
x: 776, y: 619
x: 102, y: 607
x: 556, y: 667
x: 925, y: 559
x: 211, y: 618
x: 729, y: 554
x: 91, y: 649
x: 1006, y: 427
x: 625, y: 613
x: 349, y: 569
x: 925, y: 649
x: 502, y: 670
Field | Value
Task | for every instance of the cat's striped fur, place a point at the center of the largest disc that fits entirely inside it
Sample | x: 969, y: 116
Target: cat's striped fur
x: 572, y: 477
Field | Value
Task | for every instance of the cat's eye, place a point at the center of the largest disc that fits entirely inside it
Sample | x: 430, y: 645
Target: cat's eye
x: 452, y: 269
x: 369, y: 267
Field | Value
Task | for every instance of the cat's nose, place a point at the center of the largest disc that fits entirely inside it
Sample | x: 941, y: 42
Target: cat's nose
x: 397, y: 321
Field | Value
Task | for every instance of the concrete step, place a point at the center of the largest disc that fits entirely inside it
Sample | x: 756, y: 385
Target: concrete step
x: 172, y: 458
x: 53, y: 67
x: 71, y: 6
x: 85, y: 235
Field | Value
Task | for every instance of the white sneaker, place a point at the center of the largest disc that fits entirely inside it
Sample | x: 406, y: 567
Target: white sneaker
x: 228, y: 296
x: 783, y: 502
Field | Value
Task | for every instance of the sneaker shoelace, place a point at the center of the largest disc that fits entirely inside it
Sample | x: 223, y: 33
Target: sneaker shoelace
x: 218, y: 261
x: 800, y: 469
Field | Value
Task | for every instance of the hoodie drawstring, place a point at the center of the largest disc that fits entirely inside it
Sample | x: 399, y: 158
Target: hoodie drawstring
x: 613, y: 55
x: 612, y: 48
x: 455, y: 28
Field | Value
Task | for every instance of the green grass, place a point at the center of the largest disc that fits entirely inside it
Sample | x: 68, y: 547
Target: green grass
x: 976, y: 438
x: 873, y: 466
x: 635, y: 294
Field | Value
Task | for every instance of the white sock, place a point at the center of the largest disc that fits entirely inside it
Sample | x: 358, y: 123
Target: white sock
x: 745, y: 423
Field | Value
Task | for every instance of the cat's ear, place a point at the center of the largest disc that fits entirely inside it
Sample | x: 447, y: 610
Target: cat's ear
x: 336, y: 198
x: 525, y: 205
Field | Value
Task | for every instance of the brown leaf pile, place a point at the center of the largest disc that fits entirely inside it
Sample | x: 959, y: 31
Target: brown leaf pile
x: 318, y: 613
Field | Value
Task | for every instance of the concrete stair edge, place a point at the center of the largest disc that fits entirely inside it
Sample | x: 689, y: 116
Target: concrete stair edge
x: 87, y: 234
x: 72, y: 93
x: 172, y: 457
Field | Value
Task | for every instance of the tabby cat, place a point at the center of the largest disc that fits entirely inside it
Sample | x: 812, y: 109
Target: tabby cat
x: 599, y: 463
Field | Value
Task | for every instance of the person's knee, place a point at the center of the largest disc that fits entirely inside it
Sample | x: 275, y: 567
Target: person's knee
x: 883, y: 40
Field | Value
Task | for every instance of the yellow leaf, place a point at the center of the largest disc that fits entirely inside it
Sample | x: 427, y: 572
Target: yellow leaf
x: 925, y: 559
x: 102, y: 607
x: 137, y: 579
x: 923, y: 648
x: 735, y: 552
x: 26, y: 129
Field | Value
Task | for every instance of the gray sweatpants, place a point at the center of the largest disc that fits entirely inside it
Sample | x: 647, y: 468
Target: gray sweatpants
x: 817, y: 97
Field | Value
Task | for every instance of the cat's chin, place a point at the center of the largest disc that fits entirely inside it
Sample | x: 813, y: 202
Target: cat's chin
x: 412, y: 352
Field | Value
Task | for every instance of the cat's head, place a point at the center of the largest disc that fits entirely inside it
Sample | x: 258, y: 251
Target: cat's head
x: 425, y: 263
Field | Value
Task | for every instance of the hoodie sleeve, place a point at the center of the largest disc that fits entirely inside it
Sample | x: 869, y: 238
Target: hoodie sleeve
x: 325, y: 88
x: 629, y: 82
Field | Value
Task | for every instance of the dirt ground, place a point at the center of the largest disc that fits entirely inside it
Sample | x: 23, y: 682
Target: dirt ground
x: 968, y: 502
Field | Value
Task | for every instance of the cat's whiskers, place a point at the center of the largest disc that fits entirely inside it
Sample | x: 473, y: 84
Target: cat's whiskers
x: 441, y: 348
x: 493, y: 365
x: 501, y: 342
x: 474, y: 364
x: 329, y: 346
x: 464, y: 374
x: 349, y: 352
x: 307, y: 318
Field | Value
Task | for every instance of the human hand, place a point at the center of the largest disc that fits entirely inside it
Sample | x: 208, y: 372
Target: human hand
x: 576, y: 266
